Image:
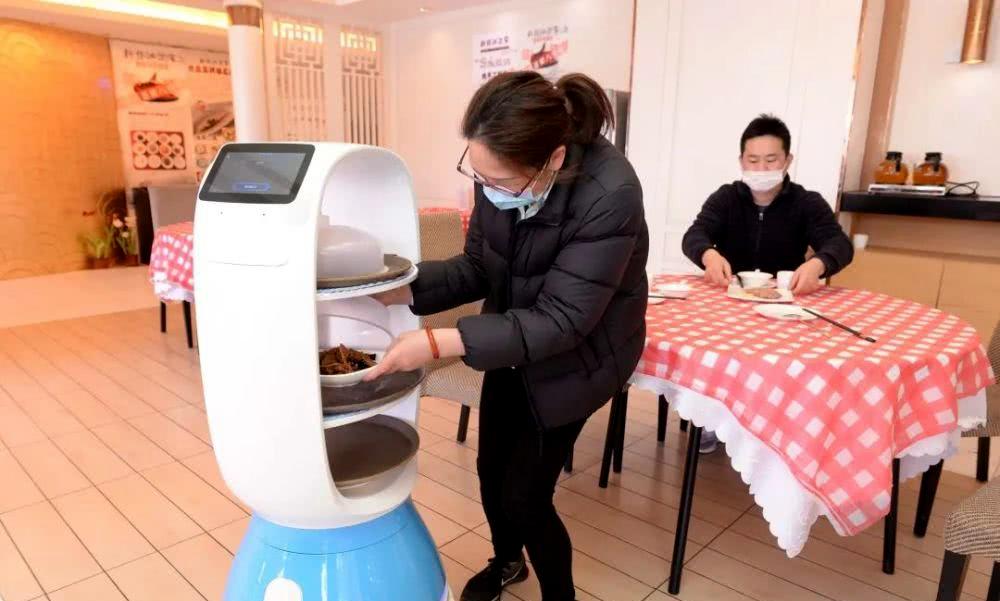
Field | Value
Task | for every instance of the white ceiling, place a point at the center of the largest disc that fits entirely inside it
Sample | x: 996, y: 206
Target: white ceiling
x: 374, y: 12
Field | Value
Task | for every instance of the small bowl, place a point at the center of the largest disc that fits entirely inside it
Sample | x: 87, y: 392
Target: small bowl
x: 355, y: 377
x: 754, y: 279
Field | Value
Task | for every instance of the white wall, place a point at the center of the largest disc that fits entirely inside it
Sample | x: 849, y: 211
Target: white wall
x: 430, y: 63
x: 946, y: 106
x: 704, y: 68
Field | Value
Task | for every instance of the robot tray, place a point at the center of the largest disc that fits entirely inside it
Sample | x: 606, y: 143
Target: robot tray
x: 369, y: 395
x: 365, y: 451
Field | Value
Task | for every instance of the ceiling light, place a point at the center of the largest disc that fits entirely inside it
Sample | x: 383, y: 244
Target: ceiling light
x: 977, y: 31
x: 152, y: 10
x: 424, y: 9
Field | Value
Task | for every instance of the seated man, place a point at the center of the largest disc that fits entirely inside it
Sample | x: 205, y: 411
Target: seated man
x: 766, y: 222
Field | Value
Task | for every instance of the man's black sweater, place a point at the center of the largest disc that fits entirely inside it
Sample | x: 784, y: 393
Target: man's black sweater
x: 771, y: 239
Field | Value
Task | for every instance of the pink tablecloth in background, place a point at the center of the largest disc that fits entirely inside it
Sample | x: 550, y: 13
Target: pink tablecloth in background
x: 811, y: 415
x: 171, y: 267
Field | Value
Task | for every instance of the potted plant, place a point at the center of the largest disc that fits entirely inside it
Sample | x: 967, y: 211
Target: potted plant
x: 98, y: 249
x: 126, y: 240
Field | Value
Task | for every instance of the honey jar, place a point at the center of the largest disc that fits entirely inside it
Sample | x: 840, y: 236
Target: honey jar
x: 932, y: 172
x: 892, y: 170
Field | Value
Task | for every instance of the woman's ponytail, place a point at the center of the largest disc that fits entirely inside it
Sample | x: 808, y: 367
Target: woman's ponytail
x: 523, y: 117
x: 589, y: 107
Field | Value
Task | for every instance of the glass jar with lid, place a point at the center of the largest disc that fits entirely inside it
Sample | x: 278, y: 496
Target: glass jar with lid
x: 932, y: 172
x: 892, y: 170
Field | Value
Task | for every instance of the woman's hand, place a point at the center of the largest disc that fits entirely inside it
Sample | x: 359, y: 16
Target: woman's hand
x: 396, y: 296
x: 412, y: 350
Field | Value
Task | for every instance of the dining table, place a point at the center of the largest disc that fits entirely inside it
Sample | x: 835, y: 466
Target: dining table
x: 813, y: 416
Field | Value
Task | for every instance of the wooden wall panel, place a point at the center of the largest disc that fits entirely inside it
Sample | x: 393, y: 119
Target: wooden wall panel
x: 59, y: 145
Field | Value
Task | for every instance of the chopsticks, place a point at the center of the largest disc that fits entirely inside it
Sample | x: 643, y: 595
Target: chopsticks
x: 839, y: 325
x: 666, y: 297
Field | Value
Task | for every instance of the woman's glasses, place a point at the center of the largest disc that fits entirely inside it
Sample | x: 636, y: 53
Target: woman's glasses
x: 495, y: 185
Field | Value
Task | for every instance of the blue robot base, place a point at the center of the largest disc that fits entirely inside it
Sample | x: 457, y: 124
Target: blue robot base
x: 390, y: 558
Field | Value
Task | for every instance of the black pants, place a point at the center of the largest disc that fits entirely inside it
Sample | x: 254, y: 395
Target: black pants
x: 518, y: 471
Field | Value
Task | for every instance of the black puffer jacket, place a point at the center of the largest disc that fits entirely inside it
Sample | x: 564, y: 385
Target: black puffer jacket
x: 565, y: 291
x: 772, y: 239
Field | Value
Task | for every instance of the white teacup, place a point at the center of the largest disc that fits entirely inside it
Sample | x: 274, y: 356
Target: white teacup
x: 785, y: 279
x: 754, y: 279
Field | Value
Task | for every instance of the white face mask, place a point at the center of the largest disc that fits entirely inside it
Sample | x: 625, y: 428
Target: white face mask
x: 763, y: 181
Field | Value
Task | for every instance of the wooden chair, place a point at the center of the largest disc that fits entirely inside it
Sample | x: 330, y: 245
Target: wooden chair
x: 614, y: 442
x: 169, y: 205
x: 442, y: 237
x: 973, y: 528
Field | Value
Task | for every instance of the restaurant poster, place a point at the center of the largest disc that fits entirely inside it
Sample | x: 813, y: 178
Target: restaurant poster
x: 545, y: 47
x: 175, y: 110
x: 493, y: 53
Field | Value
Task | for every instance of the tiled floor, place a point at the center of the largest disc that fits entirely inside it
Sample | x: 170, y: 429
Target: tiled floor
x: 109, y: 491
x: 94, y: 292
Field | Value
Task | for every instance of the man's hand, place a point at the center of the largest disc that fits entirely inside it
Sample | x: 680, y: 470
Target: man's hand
x: 805, y: 280
x: 717, y: 268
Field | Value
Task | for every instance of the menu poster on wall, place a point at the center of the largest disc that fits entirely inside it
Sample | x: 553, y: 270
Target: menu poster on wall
x: 543, y: 49
x: 493, y: 53
x: 175, y: 110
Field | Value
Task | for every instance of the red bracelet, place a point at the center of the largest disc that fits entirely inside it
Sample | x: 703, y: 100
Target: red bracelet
x: 435, y: 351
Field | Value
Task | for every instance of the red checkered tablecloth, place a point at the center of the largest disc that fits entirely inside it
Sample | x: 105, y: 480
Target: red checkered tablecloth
x: 171, y: 264
x: 835, y: 409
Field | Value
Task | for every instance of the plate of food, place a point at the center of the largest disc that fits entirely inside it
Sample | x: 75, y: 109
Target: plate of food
x: 760, y: 295
x: 343, y: 366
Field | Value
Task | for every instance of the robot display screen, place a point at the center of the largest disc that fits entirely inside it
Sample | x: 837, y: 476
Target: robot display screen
x: 257, y: 173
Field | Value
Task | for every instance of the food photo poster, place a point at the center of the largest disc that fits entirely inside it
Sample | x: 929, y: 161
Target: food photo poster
x: 175, y: 109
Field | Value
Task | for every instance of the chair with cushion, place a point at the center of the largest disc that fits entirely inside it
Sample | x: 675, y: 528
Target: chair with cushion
x: 169, y: 205
x: 973, y: 528
x: 929, y: 482
x: 442, y: 237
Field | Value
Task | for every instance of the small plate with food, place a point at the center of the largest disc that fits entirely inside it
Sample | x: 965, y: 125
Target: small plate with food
x: 343, y: 366
x: 760, y: 295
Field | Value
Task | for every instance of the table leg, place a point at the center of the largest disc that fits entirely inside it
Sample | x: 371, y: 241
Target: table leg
x: 684, y: 514
x: 925, y: 503
x: 609, y: 443
x: 662, y: 413
x: 163, y: 317
x: 187, y: 324
x: 622, y: 420
x: 891, y: 523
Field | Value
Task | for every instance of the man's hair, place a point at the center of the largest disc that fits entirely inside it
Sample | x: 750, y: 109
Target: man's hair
x: 767, y: 125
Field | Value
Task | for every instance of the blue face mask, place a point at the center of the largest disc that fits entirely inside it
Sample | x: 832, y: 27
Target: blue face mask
x: 505, y: 201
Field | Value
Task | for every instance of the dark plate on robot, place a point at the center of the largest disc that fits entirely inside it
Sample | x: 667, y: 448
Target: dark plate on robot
x: 368, y: 395
x: 365, y: 450
x: 395, y: 268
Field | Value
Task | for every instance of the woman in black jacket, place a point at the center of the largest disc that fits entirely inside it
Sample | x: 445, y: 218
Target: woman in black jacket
x: 557, y: 247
